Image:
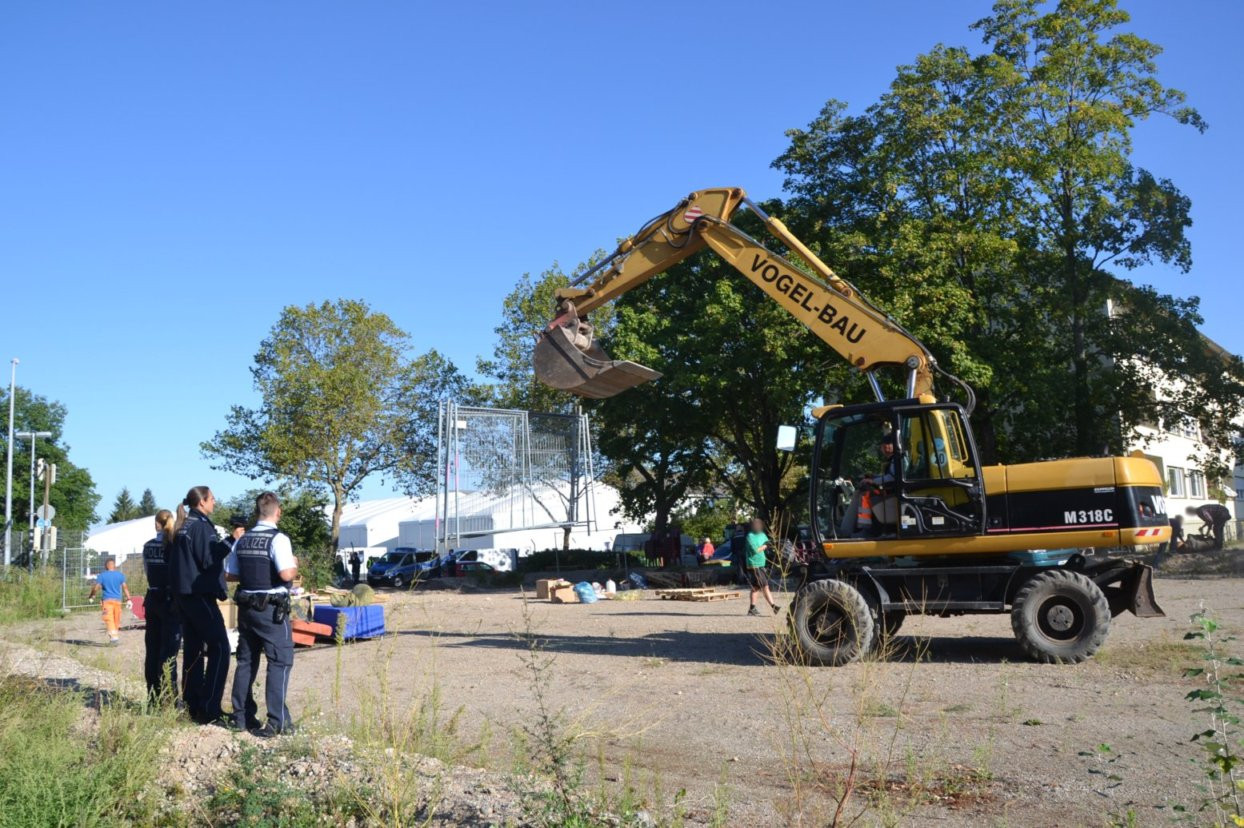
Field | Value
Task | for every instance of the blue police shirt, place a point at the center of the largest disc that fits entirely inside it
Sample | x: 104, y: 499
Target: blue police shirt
x: 110, y: 581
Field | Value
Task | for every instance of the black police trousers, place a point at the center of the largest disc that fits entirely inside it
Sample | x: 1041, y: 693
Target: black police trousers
x: 205, y: 656
x: 163, y: 640
x: 259, y: 633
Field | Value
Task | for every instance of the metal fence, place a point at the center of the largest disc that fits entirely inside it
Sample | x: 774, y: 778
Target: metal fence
x: 510, y: 470
x: 76, y: 565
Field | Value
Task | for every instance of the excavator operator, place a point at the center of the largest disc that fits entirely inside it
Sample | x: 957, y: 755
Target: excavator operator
x: 877, y: 502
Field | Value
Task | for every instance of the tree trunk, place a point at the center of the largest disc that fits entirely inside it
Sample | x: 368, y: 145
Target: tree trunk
x: 339, y: 504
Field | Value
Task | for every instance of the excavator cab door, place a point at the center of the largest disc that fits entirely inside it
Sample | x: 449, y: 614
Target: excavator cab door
x: 895, y: 470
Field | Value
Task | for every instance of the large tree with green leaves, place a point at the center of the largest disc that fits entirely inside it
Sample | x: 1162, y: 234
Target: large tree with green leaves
x: 147, y: 504
x: 989, y: 201
x: 342, y: 402
x: 74, y: 496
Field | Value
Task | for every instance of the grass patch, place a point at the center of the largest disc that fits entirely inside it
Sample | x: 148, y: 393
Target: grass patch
x: 29, y: 595
x: 253, y: 795
x: 1155, y: 656
x: 64, y: 762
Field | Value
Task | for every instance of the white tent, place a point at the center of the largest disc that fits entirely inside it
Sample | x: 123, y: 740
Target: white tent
x: 371, y: 524
x: 123, y: 539
x: 482, y: 520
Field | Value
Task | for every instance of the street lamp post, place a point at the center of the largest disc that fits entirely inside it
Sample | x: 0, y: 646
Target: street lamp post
x: 32, y: 436
x: 8, y: 485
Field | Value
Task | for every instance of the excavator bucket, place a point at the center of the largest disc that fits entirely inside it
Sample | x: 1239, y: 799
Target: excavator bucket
x: 560, y: 364
x: 1144, y: 604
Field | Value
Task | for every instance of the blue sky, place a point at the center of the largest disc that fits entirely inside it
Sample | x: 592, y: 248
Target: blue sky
x: 174, y: 174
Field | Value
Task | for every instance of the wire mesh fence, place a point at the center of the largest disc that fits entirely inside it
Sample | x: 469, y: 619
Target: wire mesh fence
x: 511, y: 470
x: 66, y: 555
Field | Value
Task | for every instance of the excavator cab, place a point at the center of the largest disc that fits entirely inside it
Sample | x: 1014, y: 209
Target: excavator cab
x: 900, y: 469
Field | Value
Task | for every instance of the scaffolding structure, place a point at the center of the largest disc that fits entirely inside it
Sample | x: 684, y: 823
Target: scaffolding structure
x: 507, y: 470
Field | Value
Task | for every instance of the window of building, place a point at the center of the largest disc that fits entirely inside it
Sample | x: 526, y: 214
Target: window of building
x: 1175, y: 482
x: 1186, y: 427
x: 1196, y: 484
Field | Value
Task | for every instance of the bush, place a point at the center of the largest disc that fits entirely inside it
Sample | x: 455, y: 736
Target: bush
x: 25, y: 595
x: 548, y: 559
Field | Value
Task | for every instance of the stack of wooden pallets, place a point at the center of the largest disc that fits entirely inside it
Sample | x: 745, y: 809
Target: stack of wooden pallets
x: 697, y: 594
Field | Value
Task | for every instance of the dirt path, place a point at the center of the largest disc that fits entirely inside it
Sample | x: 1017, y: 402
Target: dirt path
x: 956, y: 726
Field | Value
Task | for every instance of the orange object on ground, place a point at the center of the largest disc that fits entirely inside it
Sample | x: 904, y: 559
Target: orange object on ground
x: 112, y: 617
x: 305, y: 632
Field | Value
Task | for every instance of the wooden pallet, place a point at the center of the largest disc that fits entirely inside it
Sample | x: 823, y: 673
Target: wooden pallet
x: 696, y: 594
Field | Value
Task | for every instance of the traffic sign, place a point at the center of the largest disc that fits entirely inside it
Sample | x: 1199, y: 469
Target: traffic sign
x: 41, y: 523
x: 46, y: 512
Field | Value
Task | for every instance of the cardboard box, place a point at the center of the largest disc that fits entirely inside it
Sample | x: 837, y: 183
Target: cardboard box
x: 361, y: 622
x: 542, y: 588
x: 229, y: 610
x: 564, y: 595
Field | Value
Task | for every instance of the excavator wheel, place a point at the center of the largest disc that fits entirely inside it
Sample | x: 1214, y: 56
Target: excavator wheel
x: 1060, y: 617
x: 833, y: 623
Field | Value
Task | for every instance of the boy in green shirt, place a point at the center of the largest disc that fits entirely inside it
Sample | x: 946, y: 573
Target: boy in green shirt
x: 757, y: 577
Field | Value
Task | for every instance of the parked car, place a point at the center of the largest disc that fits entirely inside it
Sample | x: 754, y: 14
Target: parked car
x: 402, y: 567
x: 478, y: 568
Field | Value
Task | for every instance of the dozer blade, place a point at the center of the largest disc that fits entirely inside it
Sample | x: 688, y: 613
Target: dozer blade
x: 559, y: 364
x: 1143, y: 603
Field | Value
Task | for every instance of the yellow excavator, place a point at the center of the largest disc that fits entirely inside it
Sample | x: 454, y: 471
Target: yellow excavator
x: 908, y: 519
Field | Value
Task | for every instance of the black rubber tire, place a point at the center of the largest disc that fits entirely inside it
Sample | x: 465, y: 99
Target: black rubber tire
x: 832, y: 622
x: 398, y: 582
x: 1060, y: 617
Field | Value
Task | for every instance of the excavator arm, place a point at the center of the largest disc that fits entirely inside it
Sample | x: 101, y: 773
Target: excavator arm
x: 567, y: 358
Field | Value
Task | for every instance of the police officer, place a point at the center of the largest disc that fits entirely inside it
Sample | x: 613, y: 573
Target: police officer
x: 163, y: 634
x: 197, y: 579
x: 263, y: 564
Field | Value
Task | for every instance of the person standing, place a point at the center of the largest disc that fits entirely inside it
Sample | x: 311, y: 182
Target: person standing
x: 163, y: 635
x: 1214, y: 517
x: 111, y: 586
x: 197, y: 581
x: 757, y: 576
x: 706, y: 550
x: 356, y: 561
x: 263, y: 565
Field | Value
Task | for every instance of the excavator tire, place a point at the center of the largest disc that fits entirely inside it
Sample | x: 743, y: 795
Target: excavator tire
x: 833, y: 623
x: 1060, y: 617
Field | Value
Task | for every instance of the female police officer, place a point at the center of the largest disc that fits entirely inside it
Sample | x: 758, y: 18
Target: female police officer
x: 263, y: 564
x: 163, y: 635
x: 197, y: 580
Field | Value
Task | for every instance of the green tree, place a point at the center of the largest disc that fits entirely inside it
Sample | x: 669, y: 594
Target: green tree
x: 735, y: 365
x: 74, y: 496
x: 341, y: 402
x: 124, y: 507
x: 988, y: 200
x: 147, y: 504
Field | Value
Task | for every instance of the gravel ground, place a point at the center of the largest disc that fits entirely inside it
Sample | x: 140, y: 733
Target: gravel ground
x: 954, y: 727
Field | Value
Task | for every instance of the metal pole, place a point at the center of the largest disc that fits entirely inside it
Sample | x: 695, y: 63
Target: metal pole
x: 33, y: 435
x: 8, y: 486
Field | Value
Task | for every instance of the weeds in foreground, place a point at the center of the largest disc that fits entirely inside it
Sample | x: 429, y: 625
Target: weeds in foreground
x: 29, y: 595
x: 253, y: 794
x: 70, y: 757
x: 1221, y: 741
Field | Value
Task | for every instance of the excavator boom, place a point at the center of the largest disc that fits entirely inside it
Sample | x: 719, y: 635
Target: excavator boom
x: 566, y: 356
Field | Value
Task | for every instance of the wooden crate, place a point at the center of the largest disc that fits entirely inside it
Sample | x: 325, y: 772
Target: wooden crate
x: 696, y: 594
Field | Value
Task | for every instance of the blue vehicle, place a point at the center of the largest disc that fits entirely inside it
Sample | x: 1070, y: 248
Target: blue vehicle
x: 402, y: 567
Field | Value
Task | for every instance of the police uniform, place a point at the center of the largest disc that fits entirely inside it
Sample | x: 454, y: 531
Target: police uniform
x: 163, y: 634
x: 263, y: 625
x: 197, y: 581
